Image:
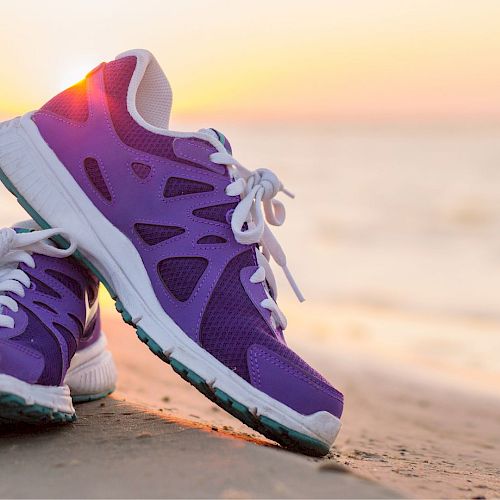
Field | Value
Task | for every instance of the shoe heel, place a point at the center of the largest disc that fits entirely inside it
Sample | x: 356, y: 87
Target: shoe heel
x: 92, y: 374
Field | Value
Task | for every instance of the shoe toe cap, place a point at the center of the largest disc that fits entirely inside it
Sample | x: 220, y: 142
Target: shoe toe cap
x: 292, y: 382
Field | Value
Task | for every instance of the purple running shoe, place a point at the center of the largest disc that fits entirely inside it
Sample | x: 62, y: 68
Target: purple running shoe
x: 176, y: 229
x: 52, y: 350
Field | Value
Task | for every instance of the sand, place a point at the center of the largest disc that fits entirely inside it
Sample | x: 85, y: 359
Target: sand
x: 419, y: 438
x: 120, y: 450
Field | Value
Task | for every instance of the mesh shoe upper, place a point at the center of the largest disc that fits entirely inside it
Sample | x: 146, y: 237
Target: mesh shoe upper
x: 175, y: 210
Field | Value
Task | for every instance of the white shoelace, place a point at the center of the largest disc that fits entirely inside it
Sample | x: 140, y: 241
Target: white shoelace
x: 17, y: 248
x: 259, y: 188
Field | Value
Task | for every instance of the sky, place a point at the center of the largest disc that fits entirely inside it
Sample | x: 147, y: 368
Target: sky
x: 274, y: 60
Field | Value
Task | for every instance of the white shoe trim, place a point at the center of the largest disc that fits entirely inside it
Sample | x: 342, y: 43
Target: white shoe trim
x: 56, y: 398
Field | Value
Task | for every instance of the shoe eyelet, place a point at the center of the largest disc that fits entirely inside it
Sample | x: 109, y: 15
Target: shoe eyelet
x: 229, y: 216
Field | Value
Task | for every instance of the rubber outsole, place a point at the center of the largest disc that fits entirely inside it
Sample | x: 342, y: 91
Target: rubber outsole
x: 14, y: 408
x: 87, y: 398
x: 288, y: 438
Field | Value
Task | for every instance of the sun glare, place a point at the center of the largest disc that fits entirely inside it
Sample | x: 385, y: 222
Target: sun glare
x: 73, y: 74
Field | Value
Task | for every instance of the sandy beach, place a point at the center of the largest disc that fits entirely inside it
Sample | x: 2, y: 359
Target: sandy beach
x: 403, y: 437
x: 420, y: 438
x: 118, y: 449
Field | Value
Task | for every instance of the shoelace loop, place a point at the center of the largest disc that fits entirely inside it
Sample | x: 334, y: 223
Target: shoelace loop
x: 259, y: 189
x: 7, y: 238
x: 17, y: 248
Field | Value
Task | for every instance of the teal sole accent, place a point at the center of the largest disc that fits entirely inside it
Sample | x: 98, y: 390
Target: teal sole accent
x: 87, y: 398
x: 273, y: 430
x: 14, y: 408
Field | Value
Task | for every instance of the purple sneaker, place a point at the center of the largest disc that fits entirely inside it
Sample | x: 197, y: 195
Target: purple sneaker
x: 52, y: 351
x: 173, y: 226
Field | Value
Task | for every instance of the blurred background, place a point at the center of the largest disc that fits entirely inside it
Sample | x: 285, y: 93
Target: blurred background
x: 382, y: 116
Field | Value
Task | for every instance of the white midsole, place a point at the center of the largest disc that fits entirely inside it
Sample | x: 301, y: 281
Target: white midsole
x: 92, y: 370
x: 57, y: 398
x: 50, y: 189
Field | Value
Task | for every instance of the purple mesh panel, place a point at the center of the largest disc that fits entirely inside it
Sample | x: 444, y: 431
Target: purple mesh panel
x: 231, y: 324
x: 37, y: 336
x: 177, y: 186
x: 152, y: 234
x: 181, y: 274
x: 43, y: 288
x: 216, y: 213
x: 211, y: 239
x: 96, y: 178
x: 69, y: 338
x: 141, y: 170
x: 44, y: 306
x: 71, y: 104
x: 72, y: 285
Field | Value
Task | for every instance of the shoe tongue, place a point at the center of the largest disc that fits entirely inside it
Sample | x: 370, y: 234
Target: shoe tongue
x: 26, y: 226
x: 153, y: 94
x: 218, y: 136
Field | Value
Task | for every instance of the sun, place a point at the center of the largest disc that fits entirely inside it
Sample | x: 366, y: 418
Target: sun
x: 74, y: 74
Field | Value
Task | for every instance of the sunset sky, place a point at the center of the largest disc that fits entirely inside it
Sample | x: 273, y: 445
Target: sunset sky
x: 276, y: 60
